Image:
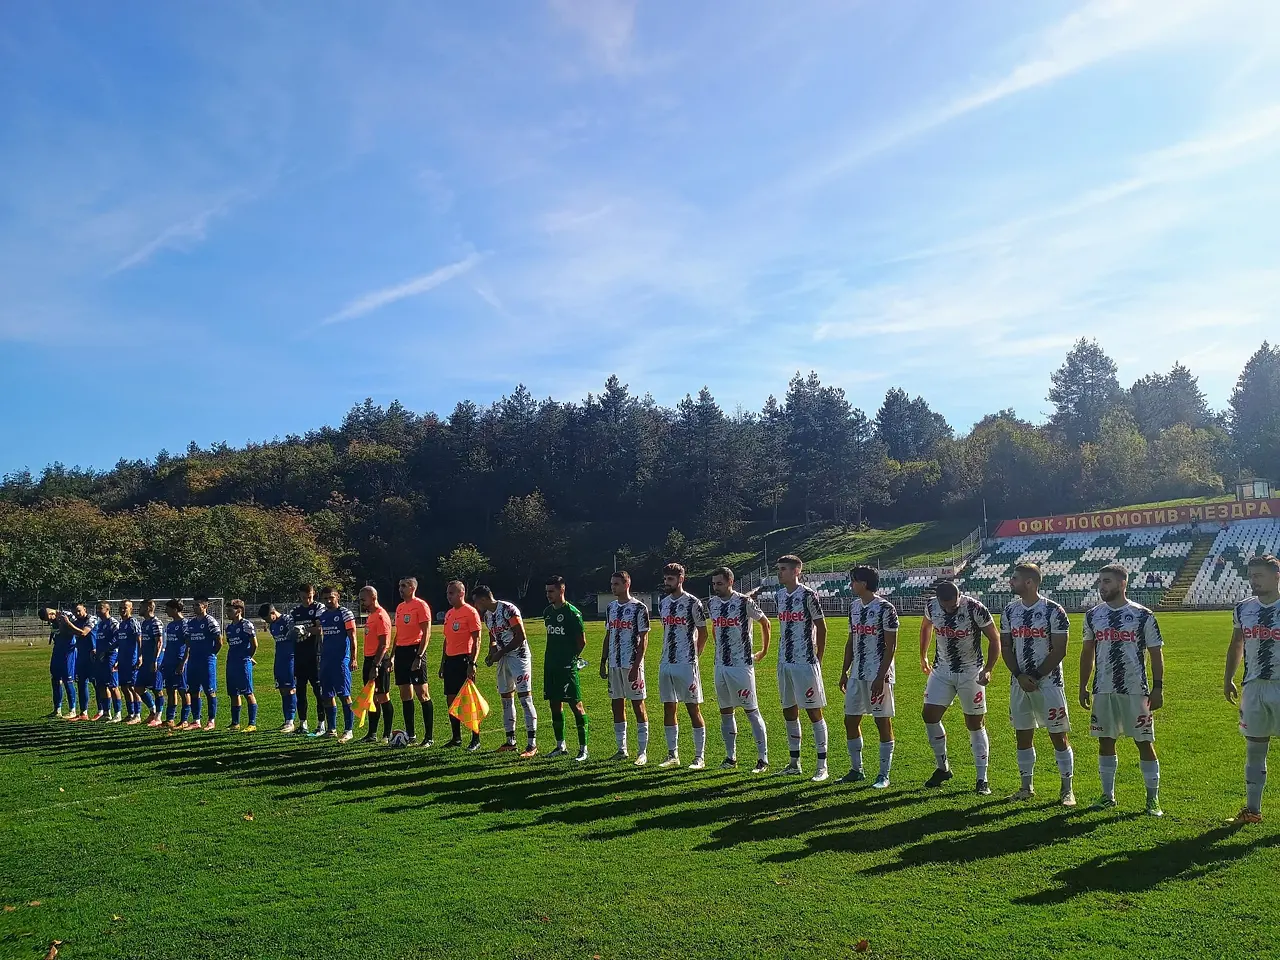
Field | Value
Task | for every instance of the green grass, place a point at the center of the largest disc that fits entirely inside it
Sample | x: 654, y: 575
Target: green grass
x: 1185, y: 501
x: 138, y: 844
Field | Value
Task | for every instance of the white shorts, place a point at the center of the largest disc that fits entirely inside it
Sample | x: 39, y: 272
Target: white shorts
x: 859, y: 702
x: 621, y: 687
x: 944, y: 686
x: 800, y: 685
x: 1045, y: 707
x: 1260, y: 709
x: 1127, y: 715
x: 515, y: 675
x: 736, y: 687
x: 679, y: 683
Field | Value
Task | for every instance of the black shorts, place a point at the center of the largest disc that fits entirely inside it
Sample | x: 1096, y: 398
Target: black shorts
x: 380, y: 669
x: 306, y: 663
x: 405, y: 673
x: 456, y: 670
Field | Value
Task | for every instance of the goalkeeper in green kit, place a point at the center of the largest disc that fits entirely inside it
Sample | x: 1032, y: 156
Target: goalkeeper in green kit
x: 566, y: 639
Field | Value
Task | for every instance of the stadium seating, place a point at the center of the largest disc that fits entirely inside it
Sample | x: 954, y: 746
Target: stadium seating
x: 1222, y: 579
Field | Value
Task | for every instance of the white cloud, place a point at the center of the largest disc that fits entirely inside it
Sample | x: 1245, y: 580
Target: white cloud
x: 415, y: 287
x: 178, y: 236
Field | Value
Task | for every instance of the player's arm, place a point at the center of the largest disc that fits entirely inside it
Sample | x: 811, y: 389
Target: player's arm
x: 217, y: 641
x: 926, y: 635
x: 1235, y: 653
x: 701, y: 638
x: 384, y: 645
x: 993, y: 651
x: 474, y: 652
x: 582, y: 632
x: 642, y: 644
x: 425, y: 638
x: 820, y: 637
x: 351, y: 640
x: 1057, y: 653
x: 765, y: 630
x: 604, y: 653
x: 1156, y: 698
x: 848, y: 660
x: 1008, y: 655
x: 886, y: 663
x: 253, y: 641
x: 1088, y: 650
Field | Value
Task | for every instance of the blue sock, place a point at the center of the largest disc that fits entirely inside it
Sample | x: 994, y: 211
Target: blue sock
x: 149, y: 701
x: 186, y: 712
x: 57, y: 696
x: 213, y: 707
x: 196, y: 706
x: 137, y: 708
x: 348, y: 716
x: 290, y: 706
x: 169, y: 712
x: 115, y: 703
x: 253, y: 713
x: 160, y: 702
x: 70, y: 687
x: 235, y: 714
x: 331, y: 714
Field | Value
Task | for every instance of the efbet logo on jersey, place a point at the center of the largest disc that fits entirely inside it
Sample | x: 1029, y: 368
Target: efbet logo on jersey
x: 1029, y: 633
x: 951, y: 633
x: 1260, y: 633
x: 721, y: 623
x: 867, y: 629
x: 1112, y: 635
x: 791, y: 616
x: 671, y: 620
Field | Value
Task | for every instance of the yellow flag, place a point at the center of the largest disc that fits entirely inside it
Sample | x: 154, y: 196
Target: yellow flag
x: 469, y: 707
x: 364, y: 702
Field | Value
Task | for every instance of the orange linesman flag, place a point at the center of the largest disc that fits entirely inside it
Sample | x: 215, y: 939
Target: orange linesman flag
x: 470, y: 707
x: 364, y: 702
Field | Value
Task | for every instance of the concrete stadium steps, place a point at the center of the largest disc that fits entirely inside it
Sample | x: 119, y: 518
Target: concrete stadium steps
x: 1176, y: 595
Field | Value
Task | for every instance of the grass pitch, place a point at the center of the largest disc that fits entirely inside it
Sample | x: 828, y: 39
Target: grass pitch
x: 129, y: 842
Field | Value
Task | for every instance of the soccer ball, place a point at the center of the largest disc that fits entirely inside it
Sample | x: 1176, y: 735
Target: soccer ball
x: 398, y: 738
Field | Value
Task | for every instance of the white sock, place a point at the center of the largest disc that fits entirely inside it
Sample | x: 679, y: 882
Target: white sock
x: 1027, y: 766
x: 980, y: 744
x: 1107, y: 773
x: 509, y: 718
x: 1066, y: 763
x: 938, y: 741
x: 820, y: 741
x: 673, y: 737
x: 729, y: 730
x: 855, y: 752
x: 756, y: 719
x: 530, y: 715
x: 793, y: 738
x: 642, y: 736
x: 1151, y: 774
x: 620, y: 736
x: 886, y: 758
x: 1255, y: 773
x: 699, y: 742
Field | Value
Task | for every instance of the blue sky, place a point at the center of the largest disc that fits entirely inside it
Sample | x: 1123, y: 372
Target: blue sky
x: 230, y: 221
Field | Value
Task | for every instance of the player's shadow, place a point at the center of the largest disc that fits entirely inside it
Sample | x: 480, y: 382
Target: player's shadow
x: 1135, y: 871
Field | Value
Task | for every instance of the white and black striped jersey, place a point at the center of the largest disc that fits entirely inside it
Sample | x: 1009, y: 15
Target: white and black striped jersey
x: 1029, y: 631
x: 798, y: 614
x: 1259, y: 623
x: 734, y: 619
x: 624, y: 623
x: 681, y: 616
x: 1123, y: 635
x: 958, y: 634
x: 868, y: 623
x: 500, y: 622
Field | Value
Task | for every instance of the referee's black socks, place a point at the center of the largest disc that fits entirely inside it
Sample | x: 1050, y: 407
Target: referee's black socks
x: 387, y: 712
x: 407, y: 705
x: 428, y: 718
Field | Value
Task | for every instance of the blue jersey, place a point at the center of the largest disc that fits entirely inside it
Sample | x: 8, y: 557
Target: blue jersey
x: 334, y: 623
x: 282, y: 629
x: 107, y: 641
x: 175, y: 641
x: 203, y: 633
x: 240, y: 636
x: 150, y: 630
x: 128, y: 639
x: 304, y: 614
x: 85, y: 644
x: 64, y: 638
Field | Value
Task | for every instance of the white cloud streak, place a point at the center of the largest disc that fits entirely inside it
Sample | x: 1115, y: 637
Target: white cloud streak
x: 179, y: 236
x: 415, y: 287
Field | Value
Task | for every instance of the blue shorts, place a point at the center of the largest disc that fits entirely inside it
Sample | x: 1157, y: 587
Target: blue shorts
x: 175, y: 675
x: 62, y: 664
x: 202, y: 674
x: 239, y: 677
x: 149, y: 678
x: 106, y: 672
x: 127, y: 674
x: 86, y: 666
x: 335, y: 678
x: 283, y: 667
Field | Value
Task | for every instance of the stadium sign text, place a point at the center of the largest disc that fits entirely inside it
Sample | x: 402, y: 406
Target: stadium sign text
x: 1171, y: 515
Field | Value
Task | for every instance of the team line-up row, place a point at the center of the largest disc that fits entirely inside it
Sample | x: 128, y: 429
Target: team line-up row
x: 134, y: 661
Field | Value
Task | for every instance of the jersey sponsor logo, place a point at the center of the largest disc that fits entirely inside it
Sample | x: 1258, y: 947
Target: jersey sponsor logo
x: 723, y: 622
x: 617, y: 623
x: 1260, y: 633
x: 1028, y: 633
x: 869, y: 629
x: 951, y: 633
x: 556, y: 630
x: 671, y: 620
x: 791, y: 616
x: 1115, y: 635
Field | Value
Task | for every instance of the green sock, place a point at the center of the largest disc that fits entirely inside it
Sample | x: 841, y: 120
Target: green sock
x: 557, y: 725
x: 582, y: 730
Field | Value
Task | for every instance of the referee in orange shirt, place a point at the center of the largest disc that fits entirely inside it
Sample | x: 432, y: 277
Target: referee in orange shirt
x: 377, y: 663
x: 461, y: 645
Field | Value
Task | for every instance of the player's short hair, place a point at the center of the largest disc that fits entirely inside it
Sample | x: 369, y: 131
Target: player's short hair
x: 725, y: 572
x: 866, y: 575
x: 458, y: 582
x: 673, y: 569
x: 264, y: 610
x: 306, y: 588
x: 412, y: 580
x: 482, y: 590
x: 236, y: 604
x: 555, y: 581
x: 105, y: 603
x: 1029, y: 569
x: 946, y: 590
x: 330, y: 589
x: 1116, y: 570
x: 622, y: 575
x: 174, y: 604
x: 1264, y: 560
x: 148, y: 602
x: 52, y: 613
x: 791, y: 560
x: 200, y: 598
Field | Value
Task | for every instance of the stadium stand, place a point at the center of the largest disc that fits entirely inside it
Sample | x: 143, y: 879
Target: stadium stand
x: 1221, y: 578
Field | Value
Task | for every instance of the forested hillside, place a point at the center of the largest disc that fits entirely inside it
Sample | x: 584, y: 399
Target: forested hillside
x: 533, y: 484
